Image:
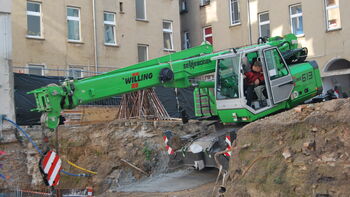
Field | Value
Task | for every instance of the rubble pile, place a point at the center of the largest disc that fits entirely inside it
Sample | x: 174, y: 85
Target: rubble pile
x: 301, y: 152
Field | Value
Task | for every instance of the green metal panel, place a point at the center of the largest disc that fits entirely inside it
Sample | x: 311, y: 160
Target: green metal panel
x: 226, y: 116
x: 204, y: 102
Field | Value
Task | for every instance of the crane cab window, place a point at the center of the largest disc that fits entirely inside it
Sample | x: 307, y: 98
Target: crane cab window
x: 228, y: 78
x: 275, y: 64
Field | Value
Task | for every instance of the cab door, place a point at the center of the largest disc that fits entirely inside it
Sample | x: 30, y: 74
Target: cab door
x: 280, y: 79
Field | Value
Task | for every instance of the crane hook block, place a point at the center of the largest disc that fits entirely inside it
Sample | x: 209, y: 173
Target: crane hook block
x: 166, y: 75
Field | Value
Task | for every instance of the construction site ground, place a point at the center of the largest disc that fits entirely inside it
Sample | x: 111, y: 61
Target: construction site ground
x: 300, y: 152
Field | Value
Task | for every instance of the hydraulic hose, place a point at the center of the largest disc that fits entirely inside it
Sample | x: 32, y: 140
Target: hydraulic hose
x: 38, y: 149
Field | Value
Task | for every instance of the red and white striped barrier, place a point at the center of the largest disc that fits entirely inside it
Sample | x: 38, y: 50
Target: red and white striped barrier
x: 229, y: 146
x: 168, y: 148
x: 89, y: 191
x: 51, y: 167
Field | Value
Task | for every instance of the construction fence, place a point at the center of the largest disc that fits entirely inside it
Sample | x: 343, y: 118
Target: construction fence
x: 172, y: 99
x: 87, y: 192
x: 80, y: 71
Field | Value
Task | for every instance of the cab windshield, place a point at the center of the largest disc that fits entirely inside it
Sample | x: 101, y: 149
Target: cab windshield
x: 228, y: 78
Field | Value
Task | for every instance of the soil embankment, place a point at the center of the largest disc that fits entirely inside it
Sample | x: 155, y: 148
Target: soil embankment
x: 301, y: 152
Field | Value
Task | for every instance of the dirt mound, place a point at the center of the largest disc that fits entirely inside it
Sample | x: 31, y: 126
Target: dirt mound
x: 300, y: 152
x: 110, y: 148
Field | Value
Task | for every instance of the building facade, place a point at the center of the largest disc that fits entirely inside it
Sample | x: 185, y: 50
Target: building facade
x: 322, y: 26
x: 6, y: 78
x: 84, y: 37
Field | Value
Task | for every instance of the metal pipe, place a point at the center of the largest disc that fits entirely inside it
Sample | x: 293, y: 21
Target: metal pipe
x: 95, y: 35
x: 249, y: 23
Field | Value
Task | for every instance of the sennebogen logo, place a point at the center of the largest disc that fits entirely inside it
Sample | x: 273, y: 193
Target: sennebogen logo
x: 136, y: 77
x: 192, y: 64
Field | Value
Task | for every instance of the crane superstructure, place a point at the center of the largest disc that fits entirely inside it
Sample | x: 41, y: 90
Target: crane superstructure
x: 289, y: 80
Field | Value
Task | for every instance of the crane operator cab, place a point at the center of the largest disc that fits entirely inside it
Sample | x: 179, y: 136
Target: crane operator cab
x: 251, y: 83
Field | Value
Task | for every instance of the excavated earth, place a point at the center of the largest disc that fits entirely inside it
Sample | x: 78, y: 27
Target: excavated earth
x: 120, y: 152
x: 301, y: 152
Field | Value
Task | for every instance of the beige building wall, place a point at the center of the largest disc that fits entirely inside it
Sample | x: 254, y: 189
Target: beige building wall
x: 55, y: 51
x: 326, y: 47
x: 131, y: 32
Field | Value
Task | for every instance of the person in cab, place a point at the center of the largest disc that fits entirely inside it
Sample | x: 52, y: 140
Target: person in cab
x: 255, y: 83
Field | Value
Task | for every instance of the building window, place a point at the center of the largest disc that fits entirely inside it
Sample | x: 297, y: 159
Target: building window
x: 109, y: 23
x: 75, y: 72
x: 296, y: 19
x: 204, y: 2
x: 121, y: 8
x: 34, y: 69
x: 142, y: 51
x: 332, y: 14
x: 168, y: 35
x: 140, y: 9
x: 73, y: 24
x: 234, y: 12
x: 34, y: 19
x: 183, y: 6
x: 264, y: 25
x: 208, y: 34
x: 187, y: 43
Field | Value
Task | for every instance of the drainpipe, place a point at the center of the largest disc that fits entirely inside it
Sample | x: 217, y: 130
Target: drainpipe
x: 95, y: 35
x: 249, y: 23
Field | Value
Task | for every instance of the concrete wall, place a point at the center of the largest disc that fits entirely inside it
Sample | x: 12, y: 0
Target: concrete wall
x: 6, y: 77
x: 55, y: 52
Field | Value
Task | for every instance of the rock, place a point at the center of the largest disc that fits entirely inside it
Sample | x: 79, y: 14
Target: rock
x: 246, y: 146
x: 299, y: 109
x: 328, y: 158
x: 286, y: 154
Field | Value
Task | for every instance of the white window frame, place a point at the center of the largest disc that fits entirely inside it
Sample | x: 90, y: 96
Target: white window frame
x: 292, y: 16
x: 263, y: 23
x: 145, y: 10
x: 31, y: 13
x: 113, y: 24
x: 187, y: 43
x: 142, y: 45
x: 42, y: 66
x: 170, y: 31
x: 205, y: 36
x: 74, y: 18
x: 327, y: 8
x: 76, y: 68
x: 234, y: 23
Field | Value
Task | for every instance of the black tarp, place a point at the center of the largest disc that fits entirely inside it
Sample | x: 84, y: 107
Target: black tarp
x: 24, y: 102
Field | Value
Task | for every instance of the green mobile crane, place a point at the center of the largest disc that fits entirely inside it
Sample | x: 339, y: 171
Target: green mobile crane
x: 289, y: 81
